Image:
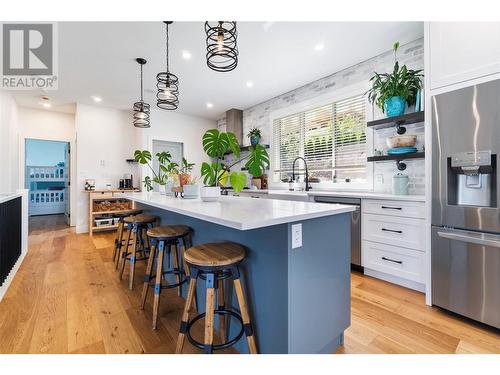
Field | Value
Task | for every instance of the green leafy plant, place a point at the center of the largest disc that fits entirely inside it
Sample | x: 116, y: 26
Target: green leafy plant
x: 215, y: 145
x: 166, y: 167
x: 186, y: 167
x: 255, y: 132
x: 402, y: 82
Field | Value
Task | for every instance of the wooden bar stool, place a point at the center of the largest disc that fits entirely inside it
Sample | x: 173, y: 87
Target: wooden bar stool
x: 214, y: 263
x: 120, y: 231
x: 138, y: 225
x: 165, y: 241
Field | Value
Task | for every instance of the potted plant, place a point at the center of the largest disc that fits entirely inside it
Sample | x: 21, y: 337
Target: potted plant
x: 215, y: 145
x: 392, y: 91
x: 255, y: 135
x: 191, y: 190
x: 166, y: 168
x: 185, y: 172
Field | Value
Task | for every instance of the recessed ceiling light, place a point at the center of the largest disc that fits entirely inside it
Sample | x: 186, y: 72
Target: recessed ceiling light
x: 186, y: 55
x: 47, y: 105
x: 319, y: 47
x: 210, y: 105
x: 249, y: 84
x: 97, y: 99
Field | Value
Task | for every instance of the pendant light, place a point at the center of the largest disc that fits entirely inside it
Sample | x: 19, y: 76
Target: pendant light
x: 168, y: 85
x: 222, y: 50
x: 141, y: 109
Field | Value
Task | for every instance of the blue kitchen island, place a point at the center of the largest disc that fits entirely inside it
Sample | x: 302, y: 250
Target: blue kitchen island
x: 298, y: 290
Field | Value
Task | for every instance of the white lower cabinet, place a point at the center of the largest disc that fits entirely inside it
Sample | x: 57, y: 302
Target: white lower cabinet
x: 393, y: 260
x: 393, y: 241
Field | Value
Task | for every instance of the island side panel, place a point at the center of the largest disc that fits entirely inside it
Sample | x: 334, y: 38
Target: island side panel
x: 264, y: 276
x: 319, y: 285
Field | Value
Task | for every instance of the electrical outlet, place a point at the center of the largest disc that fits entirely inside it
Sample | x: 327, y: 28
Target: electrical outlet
x: 296, y: 235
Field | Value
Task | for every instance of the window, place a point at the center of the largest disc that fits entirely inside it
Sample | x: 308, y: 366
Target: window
x: 331, y: 138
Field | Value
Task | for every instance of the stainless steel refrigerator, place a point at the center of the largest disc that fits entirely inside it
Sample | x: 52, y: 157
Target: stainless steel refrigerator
x: 465, y: 202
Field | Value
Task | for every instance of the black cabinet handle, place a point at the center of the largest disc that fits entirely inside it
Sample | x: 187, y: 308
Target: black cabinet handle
x: 391, y: 208
x: 392, y: 260
x: 392, y: 230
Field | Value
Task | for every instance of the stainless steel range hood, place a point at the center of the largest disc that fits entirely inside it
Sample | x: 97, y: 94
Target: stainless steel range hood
x: 234, y: 123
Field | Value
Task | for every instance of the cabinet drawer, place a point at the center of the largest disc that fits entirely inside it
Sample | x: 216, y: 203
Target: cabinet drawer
x: 118, y: 193
x: 405, y: 263
x: 393, y: 208
x: 397, y: 231
x: 99, y: 195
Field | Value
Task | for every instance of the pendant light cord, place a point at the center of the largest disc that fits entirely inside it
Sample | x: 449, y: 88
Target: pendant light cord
x: 141, y: 84
x: 168, y: 71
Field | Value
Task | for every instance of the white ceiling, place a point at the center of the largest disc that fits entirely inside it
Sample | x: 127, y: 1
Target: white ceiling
x: 98, y: 58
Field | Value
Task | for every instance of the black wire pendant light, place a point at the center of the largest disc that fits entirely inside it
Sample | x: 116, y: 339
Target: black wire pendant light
x: 222, y: 49
x: 141, y: 109
x: 168, y: 86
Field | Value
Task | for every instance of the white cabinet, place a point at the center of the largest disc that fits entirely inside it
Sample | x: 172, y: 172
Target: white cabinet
x: 393, y: 241
x: 395, y: 261
x: 462, y: 51
x: 397, y: 231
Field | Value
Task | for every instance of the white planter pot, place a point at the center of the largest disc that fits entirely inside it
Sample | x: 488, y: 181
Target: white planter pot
x: 191, y: 191
x: 209, y: 193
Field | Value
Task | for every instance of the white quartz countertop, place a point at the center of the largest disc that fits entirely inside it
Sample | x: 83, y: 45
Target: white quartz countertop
x: 329, y: 193
x: 353, y: 194
x: 240, y: 212
x: 4, y: 197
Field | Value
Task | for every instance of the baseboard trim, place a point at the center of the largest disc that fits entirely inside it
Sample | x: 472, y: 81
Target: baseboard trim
x: 396, y: 280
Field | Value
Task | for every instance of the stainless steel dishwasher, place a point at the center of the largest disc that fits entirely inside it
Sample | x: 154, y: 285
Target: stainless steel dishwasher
x: 355, y: 225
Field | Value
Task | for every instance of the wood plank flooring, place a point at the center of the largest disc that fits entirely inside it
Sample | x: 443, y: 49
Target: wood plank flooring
x: 66, y: 298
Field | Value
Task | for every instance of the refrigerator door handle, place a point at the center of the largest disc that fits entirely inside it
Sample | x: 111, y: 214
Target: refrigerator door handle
x: 471, y: 237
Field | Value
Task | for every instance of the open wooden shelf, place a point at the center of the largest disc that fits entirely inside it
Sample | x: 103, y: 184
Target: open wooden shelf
x: 406, y: 119
x: 105, y: 195
x: 110, y: 212
x: 415, y: 155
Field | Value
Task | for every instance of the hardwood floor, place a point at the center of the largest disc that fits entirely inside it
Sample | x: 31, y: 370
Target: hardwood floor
x: 66, y: 298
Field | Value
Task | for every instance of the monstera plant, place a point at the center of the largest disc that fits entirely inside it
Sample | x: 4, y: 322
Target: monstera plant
x: 166, y: 167
x: 215, y: 145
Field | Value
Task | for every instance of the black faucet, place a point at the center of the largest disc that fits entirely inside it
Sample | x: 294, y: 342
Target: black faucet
x: 308, y: 187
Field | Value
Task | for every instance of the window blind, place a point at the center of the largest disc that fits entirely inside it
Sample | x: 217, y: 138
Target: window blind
x: 331, y: 138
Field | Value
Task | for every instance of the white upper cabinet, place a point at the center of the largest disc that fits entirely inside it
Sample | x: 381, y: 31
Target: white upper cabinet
x: 463, y: 51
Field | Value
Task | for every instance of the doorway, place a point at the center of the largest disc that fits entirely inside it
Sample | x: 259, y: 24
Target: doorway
x: 176, y: 149
x: 47, y: 176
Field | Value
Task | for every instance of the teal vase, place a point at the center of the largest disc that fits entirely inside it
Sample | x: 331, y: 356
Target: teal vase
x: 394, y: 106
x: 254, y: 140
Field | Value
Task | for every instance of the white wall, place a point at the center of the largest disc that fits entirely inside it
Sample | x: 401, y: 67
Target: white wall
x: 9, y: 143
x: 105, y: 139
x: 52, y: 126
x: 175, y: 127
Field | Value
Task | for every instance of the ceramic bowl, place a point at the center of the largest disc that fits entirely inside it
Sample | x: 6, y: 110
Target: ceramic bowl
x: 402, y: 141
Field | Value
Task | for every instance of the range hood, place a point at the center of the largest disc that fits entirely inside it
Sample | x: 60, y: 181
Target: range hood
x: 234, y: 123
